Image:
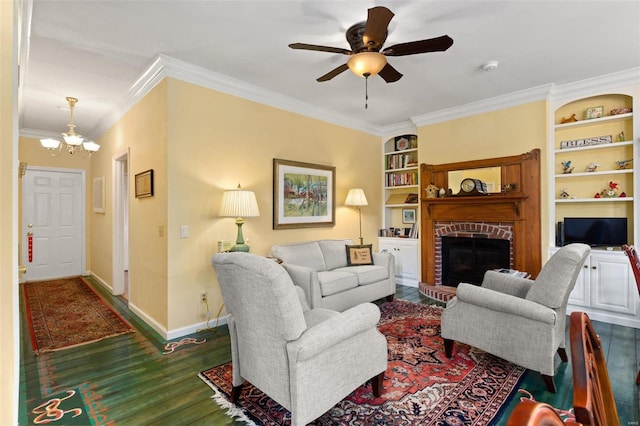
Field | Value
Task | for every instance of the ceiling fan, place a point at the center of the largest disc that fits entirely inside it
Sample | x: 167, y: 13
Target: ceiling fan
x: 366, y: 39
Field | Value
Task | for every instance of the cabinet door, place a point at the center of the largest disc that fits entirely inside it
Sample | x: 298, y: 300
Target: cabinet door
x: 580, y: 294
x: 612, y: 284
x: 409, y: 262
x: 386, y: 247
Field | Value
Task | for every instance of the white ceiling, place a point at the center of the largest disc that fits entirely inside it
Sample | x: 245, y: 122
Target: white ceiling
x: 96, y: 50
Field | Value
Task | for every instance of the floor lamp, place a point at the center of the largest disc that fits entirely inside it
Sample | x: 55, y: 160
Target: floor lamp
x: 240, y: 204
x: 356, y: 198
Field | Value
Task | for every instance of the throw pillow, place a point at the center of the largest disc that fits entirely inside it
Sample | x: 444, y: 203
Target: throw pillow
x: 359, y: 255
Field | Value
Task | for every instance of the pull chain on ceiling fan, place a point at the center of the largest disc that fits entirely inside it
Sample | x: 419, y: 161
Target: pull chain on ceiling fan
x: 366, y: 40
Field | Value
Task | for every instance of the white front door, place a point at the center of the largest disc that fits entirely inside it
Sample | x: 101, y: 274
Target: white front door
x: 53, y: 217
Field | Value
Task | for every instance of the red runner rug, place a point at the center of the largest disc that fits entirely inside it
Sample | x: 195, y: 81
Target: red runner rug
x: 421, y: 386
x: 64, y: 313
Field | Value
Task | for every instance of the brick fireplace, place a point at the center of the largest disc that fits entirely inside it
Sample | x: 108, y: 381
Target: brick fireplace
x: 481, y: 230
x: 512, y: 214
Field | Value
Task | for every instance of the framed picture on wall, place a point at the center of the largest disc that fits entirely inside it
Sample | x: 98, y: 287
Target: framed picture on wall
x: 144, y: 184
x: 408, y: 215
x: 303, y: 195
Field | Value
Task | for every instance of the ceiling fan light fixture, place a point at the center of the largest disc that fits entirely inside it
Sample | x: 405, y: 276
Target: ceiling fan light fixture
x: 366, y: 64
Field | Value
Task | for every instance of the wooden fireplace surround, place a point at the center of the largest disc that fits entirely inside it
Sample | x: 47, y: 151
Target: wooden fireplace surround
x: 520, y: 207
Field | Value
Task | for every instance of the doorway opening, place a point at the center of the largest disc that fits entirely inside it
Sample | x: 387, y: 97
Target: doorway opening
x: 121, y: 284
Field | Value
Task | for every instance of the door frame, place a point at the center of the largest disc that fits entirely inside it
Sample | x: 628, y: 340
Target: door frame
x: 118, y: 248
x: 83, y: 216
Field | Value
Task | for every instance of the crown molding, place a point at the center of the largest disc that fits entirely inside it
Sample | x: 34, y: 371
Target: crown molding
x: 147, y: 80
x: 39, y: 134
x: 402, y: 128
x: 492, y: 104
x: 603, y: 83
x: 166, y: 66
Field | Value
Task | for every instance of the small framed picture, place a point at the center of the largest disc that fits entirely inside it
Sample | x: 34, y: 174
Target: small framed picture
x: 402, y: 143
x: 408, y: 215
x: 594, y: 112
x: 144, y: 184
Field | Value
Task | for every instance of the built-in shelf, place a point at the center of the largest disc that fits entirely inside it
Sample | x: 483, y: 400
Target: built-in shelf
x: 595, y: 200
x: 593, y: 121
x: 603, y: 172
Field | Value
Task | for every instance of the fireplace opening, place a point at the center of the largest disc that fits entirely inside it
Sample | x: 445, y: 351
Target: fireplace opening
x: 466, y: 259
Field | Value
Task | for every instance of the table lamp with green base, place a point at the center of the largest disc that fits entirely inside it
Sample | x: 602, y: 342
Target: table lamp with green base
x: 239, y: 203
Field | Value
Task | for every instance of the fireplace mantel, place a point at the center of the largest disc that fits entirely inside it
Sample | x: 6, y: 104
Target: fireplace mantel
x: 489, y: 208
x: 519, y: 208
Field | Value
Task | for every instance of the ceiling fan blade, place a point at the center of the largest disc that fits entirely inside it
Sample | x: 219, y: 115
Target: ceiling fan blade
x: 328, y: 76
x: 304, y: 46
x: 438, y: 44
x: 375, y: 33
x: 389, y: 74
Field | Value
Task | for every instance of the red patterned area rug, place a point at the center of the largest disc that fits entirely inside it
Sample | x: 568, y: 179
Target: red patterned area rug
x: 64, y: 313
x: 421, y: 385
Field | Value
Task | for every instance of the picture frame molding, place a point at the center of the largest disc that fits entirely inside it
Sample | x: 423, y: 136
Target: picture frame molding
x: 144, y: 184
x: 98, y: 195
x: 283, y: 167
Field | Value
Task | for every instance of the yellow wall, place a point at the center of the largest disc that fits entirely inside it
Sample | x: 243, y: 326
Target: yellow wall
x: 201, y: 142
x: 505, y: 132
x: 142, y: 131
x: 217, y: 141
x: 9, y: 330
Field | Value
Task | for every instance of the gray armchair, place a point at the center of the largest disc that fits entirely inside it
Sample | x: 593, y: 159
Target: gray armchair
x: 305, y: 359
x: 517, y: 319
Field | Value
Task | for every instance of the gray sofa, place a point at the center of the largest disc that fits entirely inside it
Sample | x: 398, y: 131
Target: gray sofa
x: 320, y: 268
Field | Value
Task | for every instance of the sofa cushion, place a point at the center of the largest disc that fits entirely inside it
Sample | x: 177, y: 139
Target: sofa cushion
x: 334, y: 253
x: 367, y: 274
x: 359, y: 255
x: 304, y: 254
x: 332, y: 282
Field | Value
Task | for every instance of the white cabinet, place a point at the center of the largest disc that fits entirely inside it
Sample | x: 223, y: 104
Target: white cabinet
x: 606, y: 289
x: 405, y: 252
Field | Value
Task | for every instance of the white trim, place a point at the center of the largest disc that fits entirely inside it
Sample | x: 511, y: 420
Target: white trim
x: 165, y: 66
x: 587, y: 88
x: 193, y: 328
x: 486, y: 105
x: 117, y: 229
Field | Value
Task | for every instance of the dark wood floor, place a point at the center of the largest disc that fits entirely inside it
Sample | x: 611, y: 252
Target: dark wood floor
x: 128, y: 380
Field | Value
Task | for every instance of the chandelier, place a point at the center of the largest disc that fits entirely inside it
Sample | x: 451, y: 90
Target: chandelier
x: 73, y: 142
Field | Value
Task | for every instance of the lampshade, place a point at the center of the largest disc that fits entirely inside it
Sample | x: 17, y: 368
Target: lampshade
x: 367, y: 63
x: 356, y: 197
x: 239, y: 203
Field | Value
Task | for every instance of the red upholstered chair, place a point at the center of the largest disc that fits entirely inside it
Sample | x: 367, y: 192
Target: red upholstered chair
x: 635, y: 266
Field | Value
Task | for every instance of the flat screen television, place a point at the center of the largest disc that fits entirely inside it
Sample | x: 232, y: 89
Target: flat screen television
x: 595, y: 231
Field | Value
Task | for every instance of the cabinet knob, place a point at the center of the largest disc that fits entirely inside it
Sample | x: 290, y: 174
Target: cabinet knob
x: 585, y: 266
x: 593, y: 267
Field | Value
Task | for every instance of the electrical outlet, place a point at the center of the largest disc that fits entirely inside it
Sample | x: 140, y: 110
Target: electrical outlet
x: 203, y: 296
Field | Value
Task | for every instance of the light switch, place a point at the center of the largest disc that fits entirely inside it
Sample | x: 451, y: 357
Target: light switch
x: 184, y: 231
